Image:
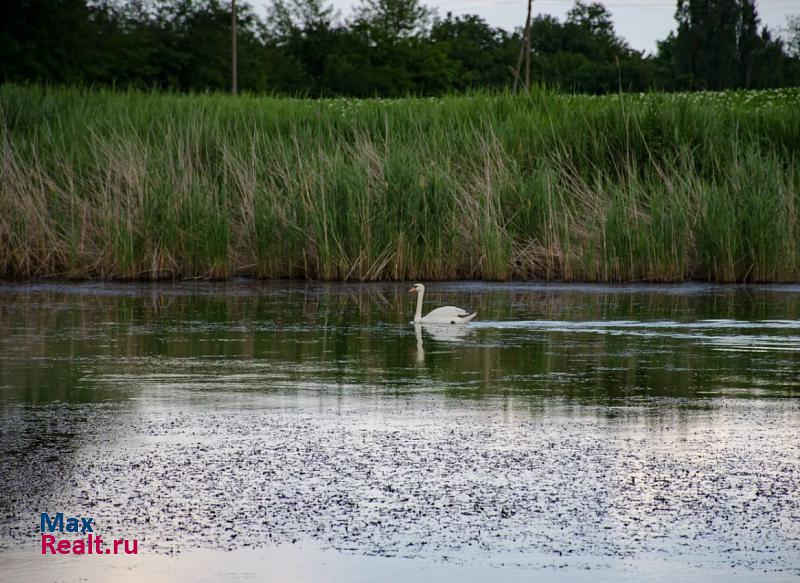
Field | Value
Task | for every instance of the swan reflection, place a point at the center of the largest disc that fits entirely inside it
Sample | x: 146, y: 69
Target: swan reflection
x: 440, y: 332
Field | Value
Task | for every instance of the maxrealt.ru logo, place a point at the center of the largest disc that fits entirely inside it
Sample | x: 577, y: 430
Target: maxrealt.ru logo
x: 91, y: 544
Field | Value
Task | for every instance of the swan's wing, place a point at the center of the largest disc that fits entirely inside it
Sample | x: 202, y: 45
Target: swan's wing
x: 446, y: 312
x: 468, y: 317
x: 446, y: 315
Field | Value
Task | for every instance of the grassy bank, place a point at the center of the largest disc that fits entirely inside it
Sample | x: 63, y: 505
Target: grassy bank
x: 654, y: 187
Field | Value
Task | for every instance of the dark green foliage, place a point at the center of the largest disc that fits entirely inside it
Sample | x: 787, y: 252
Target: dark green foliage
x: 719, y: 46
x: 176, y: 44
x: 585, y: 54
x: 389, y: 48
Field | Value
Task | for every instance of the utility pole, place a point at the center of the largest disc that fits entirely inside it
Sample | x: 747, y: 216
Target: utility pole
x: 524, y: 50
x: 234, y: 82
x: 528, y: 50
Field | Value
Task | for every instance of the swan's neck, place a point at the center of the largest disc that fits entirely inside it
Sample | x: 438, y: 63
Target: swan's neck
x: 418, y: 313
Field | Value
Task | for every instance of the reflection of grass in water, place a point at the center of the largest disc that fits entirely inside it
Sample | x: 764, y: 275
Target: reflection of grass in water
x: 654, y: 187
x: 355, y: 339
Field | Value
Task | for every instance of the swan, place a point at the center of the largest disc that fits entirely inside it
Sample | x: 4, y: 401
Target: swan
x: 445, y: 315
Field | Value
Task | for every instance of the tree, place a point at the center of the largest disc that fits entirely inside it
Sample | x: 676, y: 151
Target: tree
x: 288, y: 17
x: 793, y: 35
x: 584, y: 53
x: 192, y: 39
x: 301, y: 35
x: 479, y: 53
x: 718, y: 45
x: 386, y: 48
x: 594, y: 20
x: 50, y: 40
x: 394, y: 19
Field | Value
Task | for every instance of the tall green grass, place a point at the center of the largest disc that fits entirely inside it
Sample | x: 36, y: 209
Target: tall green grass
x: 654, y: 187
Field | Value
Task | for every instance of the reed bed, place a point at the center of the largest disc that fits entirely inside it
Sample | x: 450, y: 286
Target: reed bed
x: 655, y: 187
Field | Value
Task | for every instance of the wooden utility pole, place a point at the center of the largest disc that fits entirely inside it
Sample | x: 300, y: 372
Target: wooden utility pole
x: 524, y: 50
x: 528, y: 50
x: 234, y: 83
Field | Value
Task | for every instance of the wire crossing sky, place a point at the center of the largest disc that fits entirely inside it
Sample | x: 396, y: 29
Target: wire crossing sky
x: 640, y: 22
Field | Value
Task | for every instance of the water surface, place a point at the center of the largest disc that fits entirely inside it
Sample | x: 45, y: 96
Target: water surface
x: 605, y: 433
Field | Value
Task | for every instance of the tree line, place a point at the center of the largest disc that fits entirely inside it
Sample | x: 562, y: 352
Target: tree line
x: 383, y: 48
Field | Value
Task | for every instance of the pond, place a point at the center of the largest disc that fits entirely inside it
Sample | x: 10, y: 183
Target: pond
x: 310, y: 432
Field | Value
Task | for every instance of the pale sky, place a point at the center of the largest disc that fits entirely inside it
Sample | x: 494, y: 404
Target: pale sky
x: 640, y: 22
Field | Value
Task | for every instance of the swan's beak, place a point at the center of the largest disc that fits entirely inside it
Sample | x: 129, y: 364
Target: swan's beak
x: 413, y: 290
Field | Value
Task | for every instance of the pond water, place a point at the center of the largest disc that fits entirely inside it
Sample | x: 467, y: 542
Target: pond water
x: 309, y: 432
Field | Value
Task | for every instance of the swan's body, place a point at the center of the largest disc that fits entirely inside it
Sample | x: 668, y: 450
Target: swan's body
x: 445, y: 315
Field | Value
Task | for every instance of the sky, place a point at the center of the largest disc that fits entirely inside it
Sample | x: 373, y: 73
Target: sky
x: 640, y: 22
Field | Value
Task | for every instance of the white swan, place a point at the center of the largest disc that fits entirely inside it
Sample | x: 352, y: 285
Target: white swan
x: 445, y: 315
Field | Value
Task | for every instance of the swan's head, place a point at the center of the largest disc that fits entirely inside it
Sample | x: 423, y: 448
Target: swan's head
x: 417, y: 287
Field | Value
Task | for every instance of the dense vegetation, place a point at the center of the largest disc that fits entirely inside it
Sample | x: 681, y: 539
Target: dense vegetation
x: 384, y: 48
x: 622, y: 187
